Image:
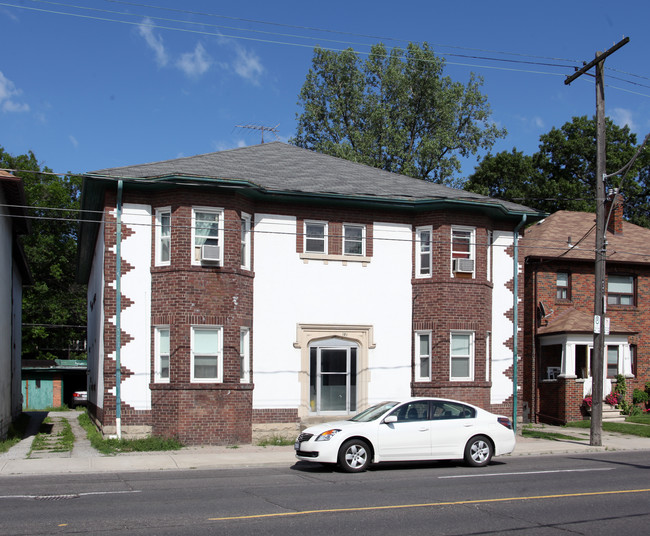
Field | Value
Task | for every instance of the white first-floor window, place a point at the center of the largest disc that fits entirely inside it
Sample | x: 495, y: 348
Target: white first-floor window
x: 422, y: 356
x: 462, y: 355
x: 245, y: 355
x: 161, y: 345
x: 207, y: 354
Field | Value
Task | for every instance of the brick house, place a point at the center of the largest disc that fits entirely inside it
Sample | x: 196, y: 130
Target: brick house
x: 14, y: 273
x: 559, y: 311
x: 268, y: 287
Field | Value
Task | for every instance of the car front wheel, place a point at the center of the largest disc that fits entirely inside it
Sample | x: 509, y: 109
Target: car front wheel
x: 478, y: 451
x: 354, y: 456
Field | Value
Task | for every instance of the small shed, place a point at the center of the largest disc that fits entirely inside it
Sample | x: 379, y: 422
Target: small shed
x: 50, y: 383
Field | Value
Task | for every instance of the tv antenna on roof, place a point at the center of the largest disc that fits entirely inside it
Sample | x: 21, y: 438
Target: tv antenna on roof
x: 262, y: 128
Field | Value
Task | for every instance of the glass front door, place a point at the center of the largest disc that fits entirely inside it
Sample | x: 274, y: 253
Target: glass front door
x: 333, y: 378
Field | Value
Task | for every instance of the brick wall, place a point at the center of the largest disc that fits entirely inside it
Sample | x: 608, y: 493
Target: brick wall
x: 634, y: 321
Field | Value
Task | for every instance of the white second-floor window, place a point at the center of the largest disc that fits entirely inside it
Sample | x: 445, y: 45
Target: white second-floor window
x: 163, y: 236
x: 315, y: 237
x: 207, y: 230
x: 423, y: 252
x: 354, y: 239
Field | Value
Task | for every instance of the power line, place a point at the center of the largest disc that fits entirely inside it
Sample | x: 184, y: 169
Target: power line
x: 200, y: 32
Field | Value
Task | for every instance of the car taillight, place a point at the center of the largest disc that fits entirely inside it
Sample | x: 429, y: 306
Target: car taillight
x: 505, y: 422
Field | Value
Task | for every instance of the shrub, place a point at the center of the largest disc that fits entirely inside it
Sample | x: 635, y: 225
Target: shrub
x: 640, y: 397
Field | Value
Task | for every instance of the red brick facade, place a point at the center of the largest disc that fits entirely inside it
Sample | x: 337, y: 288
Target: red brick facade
x: 560, y: 400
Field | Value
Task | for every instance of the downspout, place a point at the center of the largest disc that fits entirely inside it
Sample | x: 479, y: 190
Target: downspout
x: 515, y: 320
x: 118, y: 313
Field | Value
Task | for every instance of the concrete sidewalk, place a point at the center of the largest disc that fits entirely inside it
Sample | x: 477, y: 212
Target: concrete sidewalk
x: 84, y: 459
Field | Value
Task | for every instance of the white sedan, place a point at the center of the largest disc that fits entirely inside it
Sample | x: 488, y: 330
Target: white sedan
x: 415, y: 429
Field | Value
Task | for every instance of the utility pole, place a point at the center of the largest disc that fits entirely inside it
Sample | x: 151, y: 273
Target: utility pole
x: 598, y: 358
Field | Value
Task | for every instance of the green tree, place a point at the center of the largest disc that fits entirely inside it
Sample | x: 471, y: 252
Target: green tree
x: 54, y: 301
x: 561, y: 175
x: 395, y: 111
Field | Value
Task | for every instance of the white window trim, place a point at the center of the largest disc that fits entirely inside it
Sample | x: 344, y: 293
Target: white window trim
x: 472, y: 246
x: 218, y: 353
x: 363, y: 240
x: 246, y: 240
x: 325, y: 237
x: 196, y: 250
x: 245, y: 354
x: 418, y: 251
x: 160, y: 212
x: 472, y: 353
x: 418, y: 356
x: 157, y: 364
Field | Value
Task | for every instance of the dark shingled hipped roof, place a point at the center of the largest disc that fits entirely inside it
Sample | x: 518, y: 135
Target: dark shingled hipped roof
x: 283, y: 168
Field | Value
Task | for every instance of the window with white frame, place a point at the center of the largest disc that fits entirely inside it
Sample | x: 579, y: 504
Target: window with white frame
x: 462, y: 356
x: 161, y: 345
x: 463, y: 259
x: 354, y: 239
x: 163, y: 236
x: 207, y: 234
x: 245, y: 241
x: 612, y: 361
x: 315, y: 237
x: 245, y: 355
x: 422, y: 356
x: 423, y: 251
x: 207, y: 354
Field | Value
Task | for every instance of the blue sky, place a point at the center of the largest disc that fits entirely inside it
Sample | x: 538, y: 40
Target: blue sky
x: 90, y: 84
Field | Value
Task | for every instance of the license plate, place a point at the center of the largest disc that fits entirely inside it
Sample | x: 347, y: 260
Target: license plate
x: 296, y: 445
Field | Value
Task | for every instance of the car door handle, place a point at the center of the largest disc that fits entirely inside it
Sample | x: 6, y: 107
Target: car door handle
x: 423, y: 429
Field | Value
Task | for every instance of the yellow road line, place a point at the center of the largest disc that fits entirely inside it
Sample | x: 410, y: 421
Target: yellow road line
x: 452, y: 503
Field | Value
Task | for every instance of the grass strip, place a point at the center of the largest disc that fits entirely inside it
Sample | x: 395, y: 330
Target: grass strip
x: 640, y: 430
x: 116, y: 446
x: 15, y: 433
x: 554, y: 436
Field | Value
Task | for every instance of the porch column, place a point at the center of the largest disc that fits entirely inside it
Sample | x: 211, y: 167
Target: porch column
x: 568, y: 360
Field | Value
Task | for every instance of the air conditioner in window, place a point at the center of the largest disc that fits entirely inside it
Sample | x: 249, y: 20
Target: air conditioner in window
x: 464, y: 266
x: 210, y: 253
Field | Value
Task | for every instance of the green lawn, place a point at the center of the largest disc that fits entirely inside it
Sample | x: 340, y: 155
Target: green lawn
x: 632, y: 426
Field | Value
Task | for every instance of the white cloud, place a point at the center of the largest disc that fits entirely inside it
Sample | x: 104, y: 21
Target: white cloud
x: 7, y: 93
x: 623, y: 117
x: 195, y: 63
x: 155, y: 42
x: 248, y: 65
x: 73, y: 141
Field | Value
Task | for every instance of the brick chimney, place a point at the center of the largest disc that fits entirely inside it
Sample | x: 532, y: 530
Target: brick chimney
x: 614, y: 213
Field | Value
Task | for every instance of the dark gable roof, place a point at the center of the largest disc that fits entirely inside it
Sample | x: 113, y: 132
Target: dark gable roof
x: 282, y: 168
x: 549, y: 239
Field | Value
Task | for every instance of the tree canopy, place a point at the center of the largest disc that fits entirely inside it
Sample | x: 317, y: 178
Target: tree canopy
x: 54, y: 305
x: 395, y: 111
x: 561, y: 175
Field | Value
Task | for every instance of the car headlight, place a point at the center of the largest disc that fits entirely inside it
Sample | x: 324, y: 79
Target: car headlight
x: 327, y: 435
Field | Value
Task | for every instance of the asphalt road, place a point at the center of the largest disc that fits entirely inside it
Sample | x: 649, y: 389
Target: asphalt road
x: 603, y: 493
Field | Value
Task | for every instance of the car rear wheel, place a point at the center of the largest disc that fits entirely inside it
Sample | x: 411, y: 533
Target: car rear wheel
x: 478, y: 451
x: 354, y: 456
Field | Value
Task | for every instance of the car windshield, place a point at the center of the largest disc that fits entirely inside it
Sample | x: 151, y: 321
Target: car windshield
x: 373, y: 412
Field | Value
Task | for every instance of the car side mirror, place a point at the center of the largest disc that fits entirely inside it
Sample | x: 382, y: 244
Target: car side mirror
x: 390, y: 419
